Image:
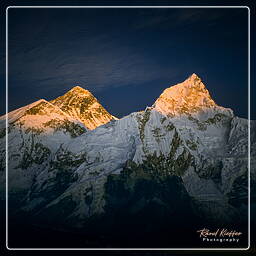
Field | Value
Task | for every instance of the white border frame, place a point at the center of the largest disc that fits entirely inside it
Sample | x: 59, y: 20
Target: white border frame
x: 135, y: 249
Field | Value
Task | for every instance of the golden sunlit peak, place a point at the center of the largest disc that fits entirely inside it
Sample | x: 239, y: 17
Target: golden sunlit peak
x: 194, y: 76
x: 194, y: 79
x: 79, y: 89
x: 185, y: 97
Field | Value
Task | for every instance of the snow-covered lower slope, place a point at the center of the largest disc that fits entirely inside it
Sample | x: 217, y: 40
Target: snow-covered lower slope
x: 202, y: 157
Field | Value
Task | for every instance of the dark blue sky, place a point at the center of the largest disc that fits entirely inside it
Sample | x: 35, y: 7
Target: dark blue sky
x: 127, y: 57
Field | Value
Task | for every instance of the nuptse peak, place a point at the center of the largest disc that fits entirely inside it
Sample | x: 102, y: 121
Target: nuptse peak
x: 188, y: 97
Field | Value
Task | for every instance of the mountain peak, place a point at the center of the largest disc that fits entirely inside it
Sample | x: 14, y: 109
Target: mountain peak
x: 80, y: 90
x: 193, y: 81
x: 194, y: 76
x: 184, y: 98
x: 80, y: 104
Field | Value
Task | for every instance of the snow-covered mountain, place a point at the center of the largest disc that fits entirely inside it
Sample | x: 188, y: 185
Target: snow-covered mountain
x: 183, y: 152
x: 41, y: 116
x: 83, y: 106
x: 37, y: 131
x: 34, y: 133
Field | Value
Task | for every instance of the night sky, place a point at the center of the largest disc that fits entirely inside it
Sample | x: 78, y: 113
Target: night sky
x: 127, y: 57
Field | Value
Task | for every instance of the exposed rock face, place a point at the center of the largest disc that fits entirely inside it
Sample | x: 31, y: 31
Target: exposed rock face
x: 80, y: 104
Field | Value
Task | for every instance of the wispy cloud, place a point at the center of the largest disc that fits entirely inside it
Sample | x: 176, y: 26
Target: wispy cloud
x: 96, y: 62
x: 60, y: 54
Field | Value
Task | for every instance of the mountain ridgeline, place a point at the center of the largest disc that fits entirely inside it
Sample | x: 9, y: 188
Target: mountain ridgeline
x: 181, y: 164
